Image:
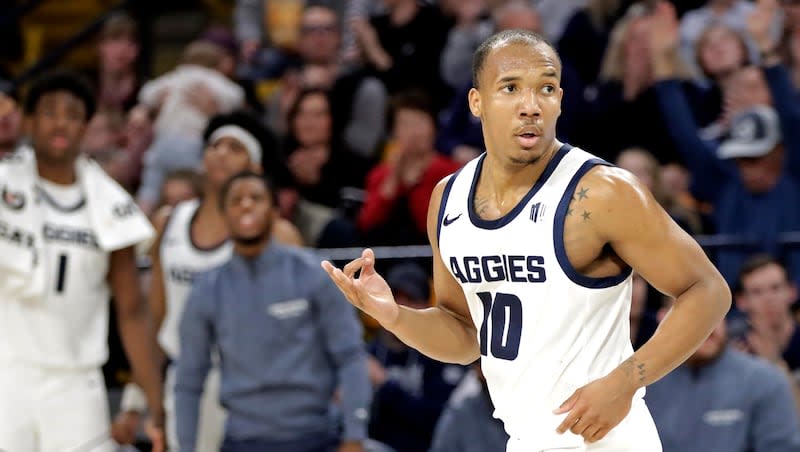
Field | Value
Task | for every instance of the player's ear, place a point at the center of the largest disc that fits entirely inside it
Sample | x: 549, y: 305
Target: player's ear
x: 474, y: 99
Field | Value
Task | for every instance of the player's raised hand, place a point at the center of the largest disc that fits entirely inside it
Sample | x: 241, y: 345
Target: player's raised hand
x: 369, y: 291
x: 596, y: 408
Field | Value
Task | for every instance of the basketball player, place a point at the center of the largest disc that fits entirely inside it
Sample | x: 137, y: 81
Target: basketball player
x: 534, y: 243
x: 54, y: 341
x: 192, y: 238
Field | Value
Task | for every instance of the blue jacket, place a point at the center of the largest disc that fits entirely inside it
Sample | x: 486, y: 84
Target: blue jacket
x: 738, y: 403
x: 286, y: 338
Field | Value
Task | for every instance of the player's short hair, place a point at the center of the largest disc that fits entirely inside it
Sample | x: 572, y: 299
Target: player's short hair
x: 503, y: 38
x: 755, y: 263
x: 247, y: 174
x: 61, y: 80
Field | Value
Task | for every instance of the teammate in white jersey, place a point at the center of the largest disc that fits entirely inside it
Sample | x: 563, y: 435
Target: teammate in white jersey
x: 534, y: 243
x: 193, y: 238
x: 52, y: 393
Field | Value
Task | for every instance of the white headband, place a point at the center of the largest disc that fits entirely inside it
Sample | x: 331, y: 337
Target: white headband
x: 249, y: 142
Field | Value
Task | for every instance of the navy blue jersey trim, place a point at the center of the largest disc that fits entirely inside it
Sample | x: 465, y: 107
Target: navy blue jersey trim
x: 558, y: 236
x: 443, y: 204
x: 507, y: 218
x: 204, y: 249
x: 55, y: 205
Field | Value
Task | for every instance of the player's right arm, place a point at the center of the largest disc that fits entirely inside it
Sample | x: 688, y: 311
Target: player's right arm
x: 444, y: 332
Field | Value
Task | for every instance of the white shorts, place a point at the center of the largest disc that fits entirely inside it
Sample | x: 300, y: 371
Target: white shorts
x: 211, y: 419
x: 636, y: 433
x: 46, y: 410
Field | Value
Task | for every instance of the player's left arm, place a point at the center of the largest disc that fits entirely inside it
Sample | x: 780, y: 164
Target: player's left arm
x: 136, y: 332
x: 643, y: 235
x: 627, y: 217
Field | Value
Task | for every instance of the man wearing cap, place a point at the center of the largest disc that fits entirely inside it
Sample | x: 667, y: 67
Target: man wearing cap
x: 411, y: 389
x: 192, y: 237
x: 752, y: 178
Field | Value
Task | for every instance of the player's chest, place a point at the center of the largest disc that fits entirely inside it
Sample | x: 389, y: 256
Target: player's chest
x: 71, y: 250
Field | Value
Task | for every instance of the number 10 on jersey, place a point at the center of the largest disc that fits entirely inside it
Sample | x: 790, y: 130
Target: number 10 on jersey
x: 501, y: 329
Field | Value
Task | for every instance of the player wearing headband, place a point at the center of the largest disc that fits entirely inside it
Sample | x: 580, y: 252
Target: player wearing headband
x: 192, y: 238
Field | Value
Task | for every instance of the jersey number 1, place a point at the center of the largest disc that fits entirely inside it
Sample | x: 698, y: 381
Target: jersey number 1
x: 62, y: 273
x: 504, y: 312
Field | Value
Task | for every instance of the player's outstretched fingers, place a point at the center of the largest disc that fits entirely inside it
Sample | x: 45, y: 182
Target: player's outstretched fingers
x: 353, y: 266
x: 369, y: 262
x: 344, y: 283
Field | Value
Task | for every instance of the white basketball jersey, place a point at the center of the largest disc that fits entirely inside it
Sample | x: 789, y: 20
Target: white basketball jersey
x: 181, y: 259
x: 68, y: 328
x: 544, y: 329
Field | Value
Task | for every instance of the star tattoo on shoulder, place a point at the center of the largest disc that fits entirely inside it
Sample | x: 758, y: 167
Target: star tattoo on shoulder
x: 582, y: 193
x: 586, y: 215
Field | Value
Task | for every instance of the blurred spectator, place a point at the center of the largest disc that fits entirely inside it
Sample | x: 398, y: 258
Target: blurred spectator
x: 399, y: 190
x: 358, y: 101
x: 558, y: 13
x: 721, y: 53
x: 273, y: 22
x: 117, y: 79
x: 179, y: 186
x: 320, y: 168
x: 192, y: 238
x: 724, y: 400
x: 467, y: 423
x: 410, y: 389
x: 224, y: 39
x: 10, y: 124
x: 104, y: 141
x: 645, y: 167
x: 395, y: 45
x: 790, y: 41
x: 623, y: 99
x: 286, y: 338
x: 269, y: 29
x: 472, y: 27
x: 730, y: 13
x: 765, y: 296
x: 752, y: 177
x: 586, y: 36
x: 184, y: 99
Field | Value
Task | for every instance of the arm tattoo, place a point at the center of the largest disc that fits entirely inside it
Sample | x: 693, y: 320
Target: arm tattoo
x: 582, y: 193
x: 634, y: 369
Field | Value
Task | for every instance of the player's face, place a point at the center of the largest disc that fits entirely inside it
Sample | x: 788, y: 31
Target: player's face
x: 248, y: 210
x: 519, y: 101
x: 224, y: 158
x: 57, y: 126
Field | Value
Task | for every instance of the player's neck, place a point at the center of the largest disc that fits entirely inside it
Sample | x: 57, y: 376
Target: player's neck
x: 504, y: 175
x: 61, y: 173
x: 209, y: 215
